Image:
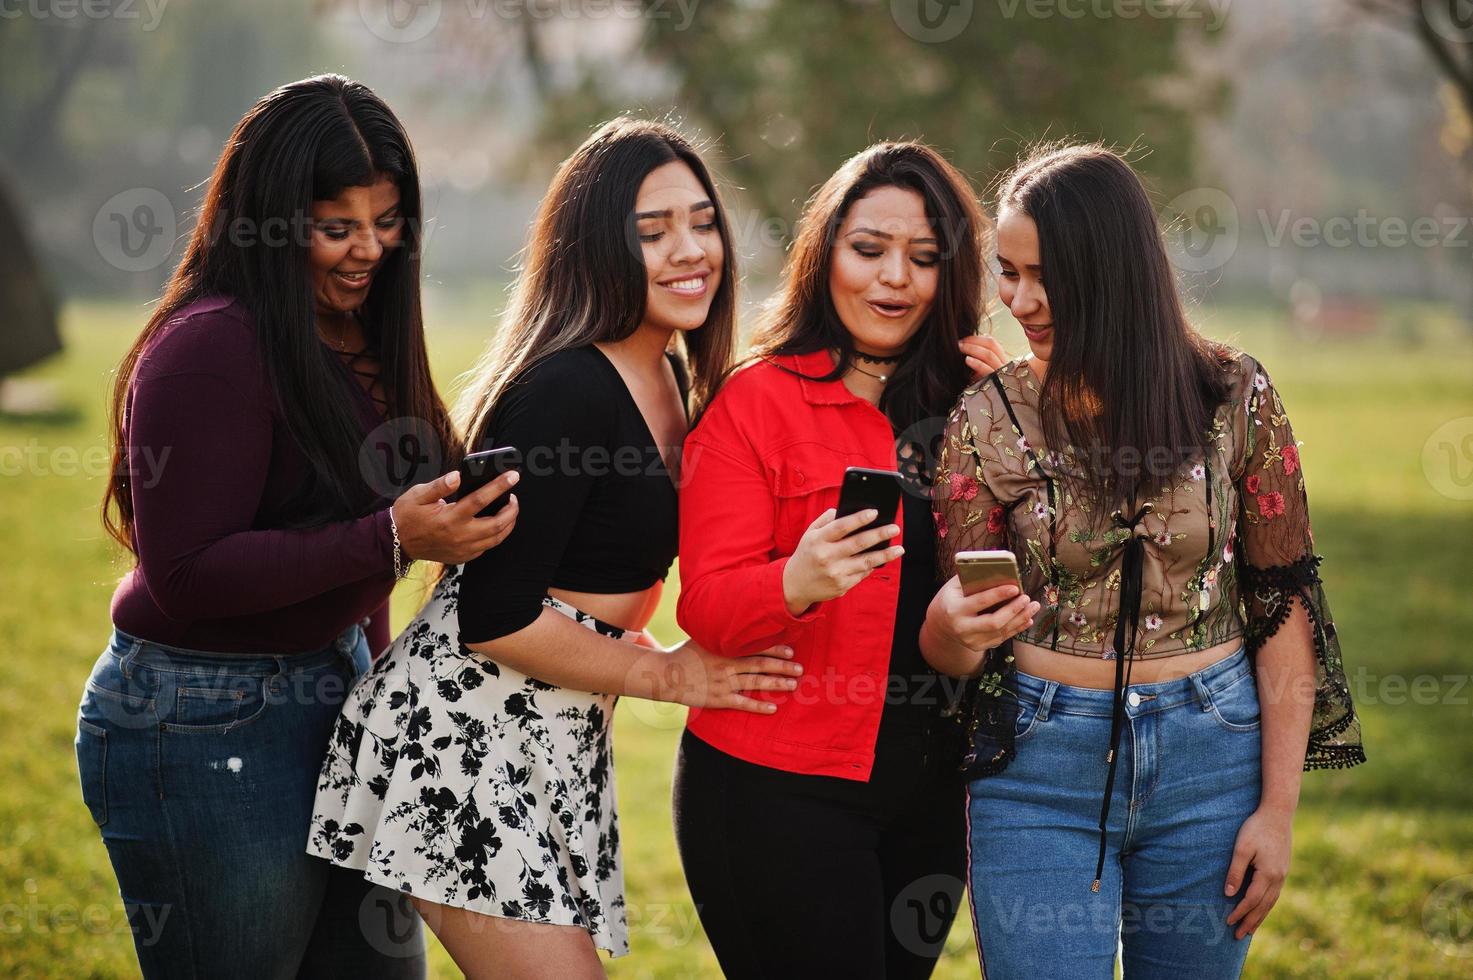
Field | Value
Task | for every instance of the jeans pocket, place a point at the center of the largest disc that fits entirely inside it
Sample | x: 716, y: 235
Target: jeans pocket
x: 91, y: 746
x: 1235, y: 707
x: 218, y: 706
x: 1028, y: 719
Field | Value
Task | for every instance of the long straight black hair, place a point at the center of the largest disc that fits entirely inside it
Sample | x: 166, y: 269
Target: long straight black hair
x: 303, y: 142
x: 801, y: 317
x: 1129, y: 380
x: 583, y: 278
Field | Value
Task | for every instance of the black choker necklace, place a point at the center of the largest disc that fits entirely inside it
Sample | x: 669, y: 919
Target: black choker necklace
x: 871, y: 359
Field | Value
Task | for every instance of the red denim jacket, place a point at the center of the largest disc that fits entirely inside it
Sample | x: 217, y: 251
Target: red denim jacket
x: 764, y: 461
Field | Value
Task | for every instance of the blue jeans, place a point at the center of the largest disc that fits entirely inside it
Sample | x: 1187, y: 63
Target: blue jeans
x: 1189, y: 775
x: 200, y: 770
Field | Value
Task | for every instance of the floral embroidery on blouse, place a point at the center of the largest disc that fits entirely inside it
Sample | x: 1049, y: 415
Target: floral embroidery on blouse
x: 1226, y: 544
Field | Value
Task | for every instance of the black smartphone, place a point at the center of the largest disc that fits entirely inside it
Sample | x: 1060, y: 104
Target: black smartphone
x: 479, y: 469
x: 865, y: 489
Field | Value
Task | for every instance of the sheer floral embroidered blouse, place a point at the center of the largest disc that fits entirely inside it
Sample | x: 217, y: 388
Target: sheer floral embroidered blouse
x: 1218, y: 552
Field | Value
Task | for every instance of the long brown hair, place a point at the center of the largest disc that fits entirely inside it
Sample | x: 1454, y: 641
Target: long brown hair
x: 583, y: 278
x: 303, y: 142
x: 800, y: 318
x: 1128, y: 376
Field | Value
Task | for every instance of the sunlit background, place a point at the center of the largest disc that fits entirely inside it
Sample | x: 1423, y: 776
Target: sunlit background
x: 1312, y: 160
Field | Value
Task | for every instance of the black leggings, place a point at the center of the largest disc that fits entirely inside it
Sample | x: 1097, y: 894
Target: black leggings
x: 816, y: 876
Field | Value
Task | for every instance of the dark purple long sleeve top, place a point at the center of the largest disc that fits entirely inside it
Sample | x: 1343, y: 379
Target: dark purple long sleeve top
x: 212, y: 464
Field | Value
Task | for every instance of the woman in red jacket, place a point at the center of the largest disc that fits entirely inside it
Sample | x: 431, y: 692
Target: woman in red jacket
x: 849, y: 794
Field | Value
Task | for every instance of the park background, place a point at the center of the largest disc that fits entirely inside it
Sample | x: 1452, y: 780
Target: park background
x: 1313, y: 161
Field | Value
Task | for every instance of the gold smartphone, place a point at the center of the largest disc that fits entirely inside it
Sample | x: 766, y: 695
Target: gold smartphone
x: 983, y: 570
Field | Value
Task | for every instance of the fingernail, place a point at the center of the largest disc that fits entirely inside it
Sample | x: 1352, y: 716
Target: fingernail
x: 790, y: 684
x: 1229, y: 889
x: 871, y: 514
x: 513, y: 477
x: 799, y: 668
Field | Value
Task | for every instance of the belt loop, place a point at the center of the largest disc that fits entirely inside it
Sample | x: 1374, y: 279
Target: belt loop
x: 1204, y: 697
x: 125, y: 662
x: 1046, y: 699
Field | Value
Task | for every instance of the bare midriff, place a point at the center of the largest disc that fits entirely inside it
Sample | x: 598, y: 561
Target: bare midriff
x: 627, y: 610
x: 1093, y: 672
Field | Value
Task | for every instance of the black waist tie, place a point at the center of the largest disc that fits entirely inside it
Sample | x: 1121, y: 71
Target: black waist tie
x: 1131, y: 566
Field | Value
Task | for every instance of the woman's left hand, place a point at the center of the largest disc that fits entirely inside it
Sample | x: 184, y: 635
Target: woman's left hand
x: 1265, y: 842
x: 983, y: 355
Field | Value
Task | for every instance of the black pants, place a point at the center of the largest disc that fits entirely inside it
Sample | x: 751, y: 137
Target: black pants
x: 816, y: 876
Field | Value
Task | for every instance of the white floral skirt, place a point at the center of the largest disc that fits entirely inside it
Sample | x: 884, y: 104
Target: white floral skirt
x: 465, y: 783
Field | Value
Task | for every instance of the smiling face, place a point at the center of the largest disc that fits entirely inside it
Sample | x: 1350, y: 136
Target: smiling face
x: 681, y: 245
x: 883, y: 269
x: 1020, y: 280
x: 350, y: 236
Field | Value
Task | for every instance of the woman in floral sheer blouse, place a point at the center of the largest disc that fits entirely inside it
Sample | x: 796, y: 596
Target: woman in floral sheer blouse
x: 1137, y: 746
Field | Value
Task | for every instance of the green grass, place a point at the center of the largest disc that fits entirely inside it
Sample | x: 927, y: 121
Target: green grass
x: 1371, y: 844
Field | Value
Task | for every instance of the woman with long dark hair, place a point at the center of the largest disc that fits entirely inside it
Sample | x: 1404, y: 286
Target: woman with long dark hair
x: 849, y: 795
x: 1137, y: 748
x: 472, y: 767
x: 265, y: 538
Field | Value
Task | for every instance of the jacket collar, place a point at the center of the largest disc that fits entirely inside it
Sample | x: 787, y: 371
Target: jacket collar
x: 816, y: 365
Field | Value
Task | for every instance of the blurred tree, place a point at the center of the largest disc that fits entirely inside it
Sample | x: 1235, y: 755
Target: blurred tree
x: 793, y: 87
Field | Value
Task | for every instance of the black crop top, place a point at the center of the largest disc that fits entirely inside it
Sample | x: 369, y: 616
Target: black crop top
x: 599, y: 509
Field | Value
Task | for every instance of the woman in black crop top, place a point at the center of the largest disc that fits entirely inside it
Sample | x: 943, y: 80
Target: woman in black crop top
x: 471, y: 768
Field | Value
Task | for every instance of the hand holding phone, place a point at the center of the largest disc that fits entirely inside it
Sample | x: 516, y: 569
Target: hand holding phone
x: 842, y: 546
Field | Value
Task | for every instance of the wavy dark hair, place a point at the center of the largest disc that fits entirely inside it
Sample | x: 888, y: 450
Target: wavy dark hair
x: 303, y: 142
x: 583, y: 278
x: 801, y: 318
x: 1127, y: 373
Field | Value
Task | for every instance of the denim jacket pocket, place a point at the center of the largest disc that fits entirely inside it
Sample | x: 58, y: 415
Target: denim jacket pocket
x: 805, y: 482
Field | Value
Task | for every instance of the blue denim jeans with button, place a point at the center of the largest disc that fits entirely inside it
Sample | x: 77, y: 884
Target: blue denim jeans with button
x: 200, y: 769
x: 1189, y: 775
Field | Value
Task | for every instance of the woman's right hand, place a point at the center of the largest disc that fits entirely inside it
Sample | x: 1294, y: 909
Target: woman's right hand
x: 831, y: 559
x: 434, y: 529
x: 697, y: 678
x: 964, y: 619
